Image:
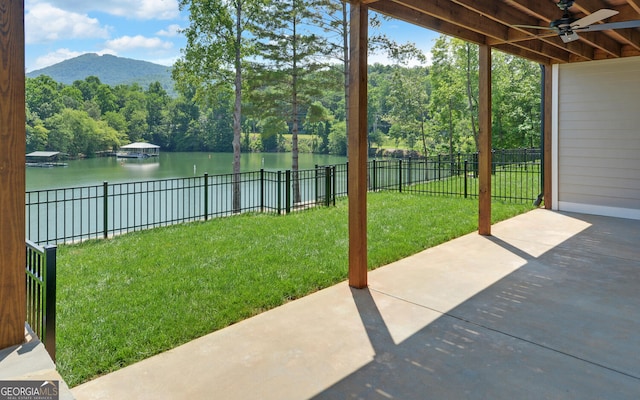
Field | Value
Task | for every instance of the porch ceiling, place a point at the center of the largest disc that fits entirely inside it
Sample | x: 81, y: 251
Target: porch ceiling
x: 492, y: 22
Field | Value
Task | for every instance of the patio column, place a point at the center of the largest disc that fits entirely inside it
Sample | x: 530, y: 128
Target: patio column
x: 357, y: 141
x: 484, y: 150
x: 547, y: 160
x: 12, y: 174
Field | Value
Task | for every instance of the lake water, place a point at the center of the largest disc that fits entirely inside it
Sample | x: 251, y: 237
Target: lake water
x: 95, y: 171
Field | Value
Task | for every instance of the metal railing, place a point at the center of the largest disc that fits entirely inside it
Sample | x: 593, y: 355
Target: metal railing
x: 91, y: 212
x: 41, y: 294
x: 515, y: 175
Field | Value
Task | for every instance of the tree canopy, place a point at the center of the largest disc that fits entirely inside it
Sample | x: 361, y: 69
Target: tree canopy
x: 263, y: 85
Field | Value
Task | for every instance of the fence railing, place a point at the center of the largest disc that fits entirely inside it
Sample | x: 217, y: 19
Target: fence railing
x: 89, y: 212
x: 41, y: 294
x: 80, y: 213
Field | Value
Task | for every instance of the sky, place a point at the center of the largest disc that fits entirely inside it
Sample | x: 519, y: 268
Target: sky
x: 149, y: 30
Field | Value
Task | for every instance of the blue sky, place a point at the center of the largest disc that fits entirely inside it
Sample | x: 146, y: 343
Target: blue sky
x: 57, y: 30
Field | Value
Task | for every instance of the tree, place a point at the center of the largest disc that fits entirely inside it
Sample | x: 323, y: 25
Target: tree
x: 157, y: 101
x: 75, y: 132
x: 516, y: 102
x: 271, y: 131
x: 37, y: 134
x: 408, y: 105
x: 291, y: 52
x: 43, y: 96
x: 335, y: 22
x: 317, y: 122
x: 105, y: 99
x: 135, y: 112
x: 447, y: 94
x: 338, y: 139
x: 217, y: 45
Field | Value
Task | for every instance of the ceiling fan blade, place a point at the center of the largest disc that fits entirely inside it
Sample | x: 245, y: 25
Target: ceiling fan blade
x: 593, y: 18
x: 612, y: 25
x: 569, y: 36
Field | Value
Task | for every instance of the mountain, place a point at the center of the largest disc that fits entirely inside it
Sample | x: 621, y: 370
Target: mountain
x: 109, y: 69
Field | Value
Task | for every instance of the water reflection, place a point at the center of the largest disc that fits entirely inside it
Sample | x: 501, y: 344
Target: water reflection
x: 95, y: 171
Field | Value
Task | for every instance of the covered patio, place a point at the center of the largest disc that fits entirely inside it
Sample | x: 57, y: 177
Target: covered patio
x: 541, y: 306
x: 546, y: 308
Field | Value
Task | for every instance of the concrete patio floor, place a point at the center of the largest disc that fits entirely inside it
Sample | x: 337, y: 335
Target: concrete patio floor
x: 546, y: 308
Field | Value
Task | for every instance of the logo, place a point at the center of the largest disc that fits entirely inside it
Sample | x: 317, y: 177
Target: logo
x: 29, y: 390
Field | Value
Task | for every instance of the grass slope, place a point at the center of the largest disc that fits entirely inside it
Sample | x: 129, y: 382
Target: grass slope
x: 124, y: 299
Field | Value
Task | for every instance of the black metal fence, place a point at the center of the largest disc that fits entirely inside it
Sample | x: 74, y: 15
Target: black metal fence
x: 41, y: 294
x: 516, y: 175
x: 80, y: 213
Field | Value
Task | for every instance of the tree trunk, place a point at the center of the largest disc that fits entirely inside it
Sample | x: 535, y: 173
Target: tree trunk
x: 294, y: 128
x: 237, y: 113
x: 345, y: 55
x: 470, y: 97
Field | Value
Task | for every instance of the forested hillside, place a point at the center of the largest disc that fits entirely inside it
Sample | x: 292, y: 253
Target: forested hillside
x: 109, y: 69
x: 430, y: 109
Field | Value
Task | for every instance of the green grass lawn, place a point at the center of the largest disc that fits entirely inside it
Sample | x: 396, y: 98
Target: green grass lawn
x: 124, y: 299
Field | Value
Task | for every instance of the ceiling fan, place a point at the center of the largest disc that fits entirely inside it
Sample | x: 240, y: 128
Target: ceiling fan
x: 568, y: 27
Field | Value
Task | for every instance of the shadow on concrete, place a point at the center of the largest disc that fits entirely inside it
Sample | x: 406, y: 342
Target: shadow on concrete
x: 563, y: 326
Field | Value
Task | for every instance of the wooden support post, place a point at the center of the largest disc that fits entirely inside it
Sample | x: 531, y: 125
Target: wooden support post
x: 547, y: 160
x: 12, y: 175
x: 357, y: 141
x: 484, y: 152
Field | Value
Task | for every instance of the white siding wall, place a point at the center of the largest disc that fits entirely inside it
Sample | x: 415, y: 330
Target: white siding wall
x: 597, y: 137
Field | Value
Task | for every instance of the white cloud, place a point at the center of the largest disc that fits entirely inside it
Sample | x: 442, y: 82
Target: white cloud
x: 46, y: 23
x: 164, y: 61
x: 126, y: 43
x: 139, y: 9
x: 171, y: 31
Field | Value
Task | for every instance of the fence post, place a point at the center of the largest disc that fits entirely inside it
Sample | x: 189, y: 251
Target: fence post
x: 50, y: 295
x: 327, y: 186
x: 262, y: 190
x: 287, y: 178
x: 279, y: 192
x: 105, y: 208
x: 493, y: 162
x: 347, y: 168
x: 466, y: 166
x: 400, y: 176
x: 315, y: 181
x: 439, y: 167
x: 409, y: 180
x: 206, y: 196
x: 375, y: 176
x: 335, y: 184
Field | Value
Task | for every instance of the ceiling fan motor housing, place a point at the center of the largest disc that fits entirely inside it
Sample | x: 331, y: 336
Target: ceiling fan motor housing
x: 563, y: 23
x: 564, y: 5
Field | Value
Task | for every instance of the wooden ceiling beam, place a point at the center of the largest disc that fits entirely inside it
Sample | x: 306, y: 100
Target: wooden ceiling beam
x: 438, y: 25
x: 532, y: 56
x: 426, y: 21
x: 541, y: 47
x: 609, y: 42
x: 534, y: 12
x: 479, y: 22
x: 635, y: 4
x: 455, y: 14
x: 549, y: 13
x: 493, y: 23
x: 627, y: 36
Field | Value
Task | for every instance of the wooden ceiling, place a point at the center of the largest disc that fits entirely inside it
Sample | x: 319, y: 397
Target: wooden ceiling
x: 491, y: 22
